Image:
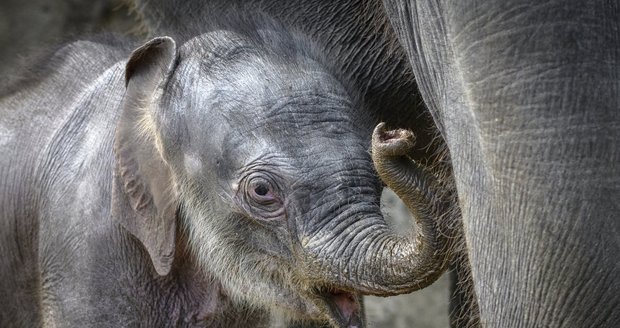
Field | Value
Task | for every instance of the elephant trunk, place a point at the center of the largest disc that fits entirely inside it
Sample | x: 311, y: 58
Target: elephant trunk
x: 383, y: 262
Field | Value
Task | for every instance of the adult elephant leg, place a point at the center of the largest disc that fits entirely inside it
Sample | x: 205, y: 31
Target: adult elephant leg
x: 526, y: 95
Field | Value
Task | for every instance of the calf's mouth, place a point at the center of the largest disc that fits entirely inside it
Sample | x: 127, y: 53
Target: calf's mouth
x: 344, y: 307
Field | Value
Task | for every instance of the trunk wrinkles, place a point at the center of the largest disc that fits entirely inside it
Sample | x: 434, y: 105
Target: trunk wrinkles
x: 384, y: 263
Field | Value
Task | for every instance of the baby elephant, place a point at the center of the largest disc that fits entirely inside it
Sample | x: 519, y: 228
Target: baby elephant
x: 207, y: 184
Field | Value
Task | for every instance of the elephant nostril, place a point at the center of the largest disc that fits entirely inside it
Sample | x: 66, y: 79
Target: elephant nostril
x: 389, y: 135
x: 396, y: 135
x: 390, y: 138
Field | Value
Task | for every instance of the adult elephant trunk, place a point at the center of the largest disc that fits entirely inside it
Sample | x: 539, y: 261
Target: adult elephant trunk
x: 370, y: 256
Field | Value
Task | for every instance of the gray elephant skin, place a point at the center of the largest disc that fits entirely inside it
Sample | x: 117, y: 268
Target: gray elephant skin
x: 211, y: 182
x: 357, y: 36
x: 527, y: 97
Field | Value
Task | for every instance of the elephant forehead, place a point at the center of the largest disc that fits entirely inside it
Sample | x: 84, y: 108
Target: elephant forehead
x: 263, y: 81
x: 257, y: 71
x: 299, y: 128
x: 305, y: 156
x: 244, y: 116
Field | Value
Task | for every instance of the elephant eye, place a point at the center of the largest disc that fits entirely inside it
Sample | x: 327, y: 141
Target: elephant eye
x: 261, y: 191
x: 260, y: 197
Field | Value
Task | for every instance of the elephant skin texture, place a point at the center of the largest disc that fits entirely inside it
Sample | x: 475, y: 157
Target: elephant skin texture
x: 213, y: 182
x: 358, y: 37
x: 526, y: 95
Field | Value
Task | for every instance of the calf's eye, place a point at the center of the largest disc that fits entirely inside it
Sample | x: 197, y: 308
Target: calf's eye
x: 260, y: 197
x: 261, y: 189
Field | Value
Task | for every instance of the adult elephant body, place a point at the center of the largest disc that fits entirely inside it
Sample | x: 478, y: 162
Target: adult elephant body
x: 527, y: 97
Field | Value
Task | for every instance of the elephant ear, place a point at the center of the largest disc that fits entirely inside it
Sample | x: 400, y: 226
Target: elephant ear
x: 144, y: 196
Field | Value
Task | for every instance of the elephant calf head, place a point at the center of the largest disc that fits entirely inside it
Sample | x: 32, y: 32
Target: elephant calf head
x: 251, y: 148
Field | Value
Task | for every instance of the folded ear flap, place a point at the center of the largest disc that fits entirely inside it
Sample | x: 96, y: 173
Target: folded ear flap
x: 144, y: 196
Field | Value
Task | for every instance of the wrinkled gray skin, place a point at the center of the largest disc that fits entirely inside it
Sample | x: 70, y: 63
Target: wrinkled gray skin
x: 355, y: 34
x: 65, y: 259
x: 201, y: 185
x: 527, y: 96
x: 363, y: 48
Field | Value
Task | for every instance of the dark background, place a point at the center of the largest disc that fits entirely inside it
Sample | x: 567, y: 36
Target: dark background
x: 27, y: 26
